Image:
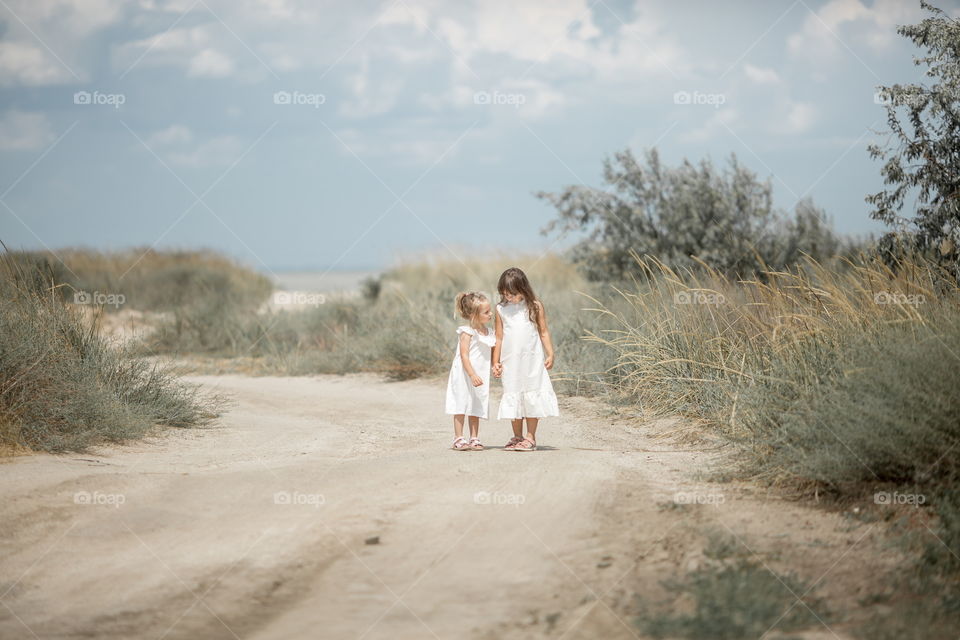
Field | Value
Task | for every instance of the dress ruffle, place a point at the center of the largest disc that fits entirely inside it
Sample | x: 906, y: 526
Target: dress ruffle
x: 528, y: 404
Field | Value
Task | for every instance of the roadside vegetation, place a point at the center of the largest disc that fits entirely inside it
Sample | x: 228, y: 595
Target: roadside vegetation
x: 63, y: 387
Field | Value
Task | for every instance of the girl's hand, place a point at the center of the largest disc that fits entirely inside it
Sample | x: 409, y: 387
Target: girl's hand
x: 477, y: 380
x: 548, y: 362
x: 498, y: 369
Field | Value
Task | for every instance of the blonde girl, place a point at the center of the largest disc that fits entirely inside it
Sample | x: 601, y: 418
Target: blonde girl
x: 468, y: 386
x: 522, y: 356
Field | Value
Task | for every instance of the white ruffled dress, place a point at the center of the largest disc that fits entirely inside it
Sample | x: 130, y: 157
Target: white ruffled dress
x: 462, y: 396
x: 527, y: 389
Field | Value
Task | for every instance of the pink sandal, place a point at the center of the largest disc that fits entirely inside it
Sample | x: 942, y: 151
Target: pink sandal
x: 460, y: 444
x: 514, y: 441
x: 525, y: 445
x: 475, y: 444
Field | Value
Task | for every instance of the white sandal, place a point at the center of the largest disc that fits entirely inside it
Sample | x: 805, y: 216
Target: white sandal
x: 460, y: 444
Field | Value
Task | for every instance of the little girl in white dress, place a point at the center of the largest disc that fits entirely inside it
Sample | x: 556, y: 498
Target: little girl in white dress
x: 468, y: 386
x: 522, y: 356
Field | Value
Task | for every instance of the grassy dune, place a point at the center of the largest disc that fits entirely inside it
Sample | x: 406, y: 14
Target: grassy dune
x: 149, y: 280
x: 62, y: 386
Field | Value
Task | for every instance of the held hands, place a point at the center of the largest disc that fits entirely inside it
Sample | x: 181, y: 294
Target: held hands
x: 477, y: 380
x: 548, y: 362
x: 498, y: 369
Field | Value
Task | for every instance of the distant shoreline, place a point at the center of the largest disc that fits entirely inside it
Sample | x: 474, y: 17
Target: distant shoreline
x: 320, y: 281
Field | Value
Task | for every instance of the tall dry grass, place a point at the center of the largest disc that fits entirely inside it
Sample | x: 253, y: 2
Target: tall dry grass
x: 402, y: 326
x: 63, y: 387
x: 798, y: 368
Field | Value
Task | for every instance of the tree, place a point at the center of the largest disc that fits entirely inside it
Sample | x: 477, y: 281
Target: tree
x: 724, y: 218
x: 927, y: 156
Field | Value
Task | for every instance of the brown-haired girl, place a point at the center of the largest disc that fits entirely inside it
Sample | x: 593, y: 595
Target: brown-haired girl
x: 468, y: 386
x: 522, y: 356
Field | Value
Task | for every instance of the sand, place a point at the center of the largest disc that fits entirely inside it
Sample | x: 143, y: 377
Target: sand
x: 332, y: 507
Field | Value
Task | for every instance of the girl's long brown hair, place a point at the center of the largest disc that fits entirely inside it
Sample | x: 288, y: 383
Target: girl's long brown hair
x: 514, y: 281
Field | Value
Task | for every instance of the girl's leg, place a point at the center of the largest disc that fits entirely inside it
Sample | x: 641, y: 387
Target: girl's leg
x: 517, y: 434
x: 532, y: 428
x: 458, y: 425
x: 474, y: 426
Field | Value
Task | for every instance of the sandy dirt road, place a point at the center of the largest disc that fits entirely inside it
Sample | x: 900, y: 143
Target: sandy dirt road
x: 263, y: 526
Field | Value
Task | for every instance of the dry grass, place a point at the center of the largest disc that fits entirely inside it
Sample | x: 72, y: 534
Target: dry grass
x: 743, y: 356
x: 148, y: 279
x: 63, y: 387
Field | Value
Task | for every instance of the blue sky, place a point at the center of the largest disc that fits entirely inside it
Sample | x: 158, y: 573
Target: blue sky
x: 316, y: 135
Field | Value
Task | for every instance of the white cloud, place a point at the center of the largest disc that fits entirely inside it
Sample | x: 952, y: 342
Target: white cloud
x: 24, y: 131
x: 887, y: 15
x: 281, y: 57
x: 177, y: 145
x: 372, y: 94
x: 761, y: 75
x: 816, y: 37
x: 713, y: 126
x: 44, y: 42
x: 406, y: 14
x: 538, y: 36
x: 27, y: 64
x: 280, y: 9
x: 219, y: 151
x: 178, y: 47
x: 210, y: 63
x: 839, y: 24
x: 174, y: 134
x: 799, y: 117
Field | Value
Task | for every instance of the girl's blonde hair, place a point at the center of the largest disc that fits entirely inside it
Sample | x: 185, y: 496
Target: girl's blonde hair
x: 467, y: 306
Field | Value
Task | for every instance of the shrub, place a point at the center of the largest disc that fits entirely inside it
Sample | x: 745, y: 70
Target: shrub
x: 62, y: 387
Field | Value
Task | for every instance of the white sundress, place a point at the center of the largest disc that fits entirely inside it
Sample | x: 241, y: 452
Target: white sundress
x: 527, y: 390
x: 462, y: 396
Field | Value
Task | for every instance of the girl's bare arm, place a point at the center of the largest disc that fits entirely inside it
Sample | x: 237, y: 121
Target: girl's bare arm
x: 465, y: 359
x: 544, y: 331
x: 498, y: 330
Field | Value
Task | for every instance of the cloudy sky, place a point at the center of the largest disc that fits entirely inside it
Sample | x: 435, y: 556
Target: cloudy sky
x: 311, y: 134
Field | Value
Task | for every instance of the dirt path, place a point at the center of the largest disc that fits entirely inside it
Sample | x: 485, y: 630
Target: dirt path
x: 261, y: 527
